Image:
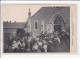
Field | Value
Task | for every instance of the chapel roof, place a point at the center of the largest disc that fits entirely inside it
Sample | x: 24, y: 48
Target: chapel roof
x: 46, y: 13
x: 14, y: 25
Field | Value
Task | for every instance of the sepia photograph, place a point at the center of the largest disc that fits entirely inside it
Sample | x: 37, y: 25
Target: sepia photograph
x: 39, y: 28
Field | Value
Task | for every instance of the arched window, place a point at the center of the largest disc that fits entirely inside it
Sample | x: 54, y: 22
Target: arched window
x: 35, y: 25
x: 58, y: 23
x: 58, y: 19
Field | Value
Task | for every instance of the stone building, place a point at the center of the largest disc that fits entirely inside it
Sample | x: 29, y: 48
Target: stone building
x: 49, y: 19
x: 46, y: 19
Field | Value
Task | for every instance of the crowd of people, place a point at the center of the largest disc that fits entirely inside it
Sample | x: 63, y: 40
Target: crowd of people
x: 44, y: 42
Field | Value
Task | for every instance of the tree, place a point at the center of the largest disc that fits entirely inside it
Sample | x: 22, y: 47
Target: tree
x: 20, y: 32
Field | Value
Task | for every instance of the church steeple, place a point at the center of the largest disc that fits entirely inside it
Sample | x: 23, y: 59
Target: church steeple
x: 29, y: 13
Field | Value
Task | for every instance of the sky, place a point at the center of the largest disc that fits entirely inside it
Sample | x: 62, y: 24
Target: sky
x: 18, y: 13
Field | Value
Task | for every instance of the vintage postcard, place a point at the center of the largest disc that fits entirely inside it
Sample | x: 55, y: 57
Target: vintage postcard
x: 37, y: 28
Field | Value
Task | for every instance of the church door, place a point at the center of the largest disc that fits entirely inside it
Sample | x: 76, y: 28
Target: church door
x: 57, y: 28
x: 58, y: 22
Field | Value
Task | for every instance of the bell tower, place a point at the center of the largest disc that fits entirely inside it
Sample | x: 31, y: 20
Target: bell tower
x: 29, y: 14
x: 29, y: 22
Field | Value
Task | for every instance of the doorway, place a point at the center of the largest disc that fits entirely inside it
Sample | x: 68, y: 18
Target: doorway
x: 57, y: 28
